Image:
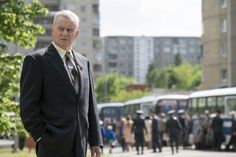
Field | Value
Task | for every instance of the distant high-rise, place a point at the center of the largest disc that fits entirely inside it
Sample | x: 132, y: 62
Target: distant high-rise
x: 143, y: 57
x: 219, y: 43
x: 131, y: 56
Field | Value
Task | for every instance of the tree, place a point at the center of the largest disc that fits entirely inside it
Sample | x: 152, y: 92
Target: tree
x: 112, y: 87
x: 9, y: 94
x: 178, y: 59
x: 124, y: 95
x: 17, y: 26
x: 182, y: 77
x: 17, y: 22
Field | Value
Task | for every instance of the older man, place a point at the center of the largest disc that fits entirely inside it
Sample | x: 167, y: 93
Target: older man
x: 57, y: 103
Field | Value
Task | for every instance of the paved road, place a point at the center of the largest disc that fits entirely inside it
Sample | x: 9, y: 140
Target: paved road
x: 167, y: 153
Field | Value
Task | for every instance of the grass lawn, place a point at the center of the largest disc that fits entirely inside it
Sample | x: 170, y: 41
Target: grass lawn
x: 6, y: 152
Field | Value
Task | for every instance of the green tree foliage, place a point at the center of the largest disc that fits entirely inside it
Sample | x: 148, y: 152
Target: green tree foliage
x: 183, y: 77
x: 178, y: 59
x: 17, y: 22
x: 112, y: 87
x: 17, y: 26
x: 9, y: 94
x: 124, y: 95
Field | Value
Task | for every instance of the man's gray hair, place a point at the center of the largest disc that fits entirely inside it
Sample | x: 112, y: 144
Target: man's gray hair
x: 67, y: 14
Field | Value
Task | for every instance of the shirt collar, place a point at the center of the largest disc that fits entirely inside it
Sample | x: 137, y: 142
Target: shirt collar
x: 61, y: 51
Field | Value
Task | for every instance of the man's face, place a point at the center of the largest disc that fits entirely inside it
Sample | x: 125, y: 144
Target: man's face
x: 64, y: 33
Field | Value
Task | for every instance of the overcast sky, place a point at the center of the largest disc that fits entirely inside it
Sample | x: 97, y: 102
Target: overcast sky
x: 150, y: 17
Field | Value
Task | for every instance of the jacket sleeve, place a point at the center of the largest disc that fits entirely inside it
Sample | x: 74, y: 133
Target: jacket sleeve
x: 30, y: 96
x: 95, y: 138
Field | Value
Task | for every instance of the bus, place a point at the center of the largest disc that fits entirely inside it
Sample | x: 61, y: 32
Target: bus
x: 110, y: 112
x: 146, y: 104
x: 223, y: 99
x: 169, y: 102
x: 158, y: 104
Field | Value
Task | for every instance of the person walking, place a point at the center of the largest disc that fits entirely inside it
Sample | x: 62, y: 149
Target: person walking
x: 111, y: 138
x: 173, y: 129
x: 57, y: 102
x: 138, y: 129
x: 155, y: 133
x: 217, y: 127
x: 127, y: 132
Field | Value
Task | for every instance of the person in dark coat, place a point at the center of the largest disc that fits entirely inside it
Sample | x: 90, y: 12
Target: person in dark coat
x: 217, y: 127
x: 173, y: 129
x: 138, y: 129
x: 57, y: 102
x: 232, y: 140
x: 182, y: 121
x: 155, y: 133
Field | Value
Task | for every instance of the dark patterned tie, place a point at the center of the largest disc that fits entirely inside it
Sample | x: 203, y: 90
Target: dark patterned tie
x: 72, y: 71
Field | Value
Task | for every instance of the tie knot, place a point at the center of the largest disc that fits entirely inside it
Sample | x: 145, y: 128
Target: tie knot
x: 68, y: 55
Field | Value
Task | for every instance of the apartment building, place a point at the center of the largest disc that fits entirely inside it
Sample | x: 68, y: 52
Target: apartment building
x: 166, y: 49
x: 131, y: 56
x: 119, y: 55
x: 143, y: 57
x: 219, y: 43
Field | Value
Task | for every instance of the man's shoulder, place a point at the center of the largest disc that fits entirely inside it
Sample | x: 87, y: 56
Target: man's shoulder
x: 39, y: 52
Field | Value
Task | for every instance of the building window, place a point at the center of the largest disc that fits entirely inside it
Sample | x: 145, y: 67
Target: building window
x: 95, y: 8
x: 83, y: 8
x: 96, y: 44
x: 223, y: 3
x: 224, y: 75
x: 95, y: 31
x: 83, y: 20
x: 112, y: 56
x: 223, y: 26
x: 223, y: 50
x: 112, y: 65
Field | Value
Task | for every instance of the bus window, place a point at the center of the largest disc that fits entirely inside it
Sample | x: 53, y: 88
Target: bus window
x: 211, y: 104
x: 194, y: 109
x: 220, y: 103
x: 131, y: 109
x: 147, y: 107
x: 201, y: 105
x: 182, y: 104
x: 231, y: 103
x: 166, y: 105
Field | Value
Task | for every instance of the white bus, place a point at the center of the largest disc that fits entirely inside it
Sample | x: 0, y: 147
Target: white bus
x: 110, y: 111
x: 158, y: 104
x: 223, y: 99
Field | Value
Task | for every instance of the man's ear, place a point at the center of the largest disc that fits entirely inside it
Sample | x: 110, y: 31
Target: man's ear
x: 77, y: 33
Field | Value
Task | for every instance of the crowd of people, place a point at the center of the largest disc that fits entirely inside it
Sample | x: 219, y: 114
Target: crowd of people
x: 176, y: 129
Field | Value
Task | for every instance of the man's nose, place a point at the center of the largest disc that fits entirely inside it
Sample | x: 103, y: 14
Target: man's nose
x: 64, y: 32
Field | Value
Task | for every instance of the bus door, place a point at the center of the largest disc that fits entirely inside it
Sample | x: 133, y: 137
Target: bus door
x: 230, y: 104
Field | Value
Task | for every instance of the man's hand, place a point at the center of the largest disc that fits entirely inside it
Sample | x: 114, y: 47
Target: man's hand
x: 96, y: 151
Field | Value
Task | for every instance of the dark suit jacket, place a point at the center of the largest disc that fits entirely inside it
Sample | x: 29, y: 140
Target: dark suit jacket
x: 155, y: 127
x: 51, y: 109
x: 173, y: 126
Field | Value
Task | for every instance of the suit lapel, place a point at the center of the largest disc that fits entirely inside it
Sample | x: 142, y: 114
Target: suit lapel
x: 79, y: 68
x: 56, y: 61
